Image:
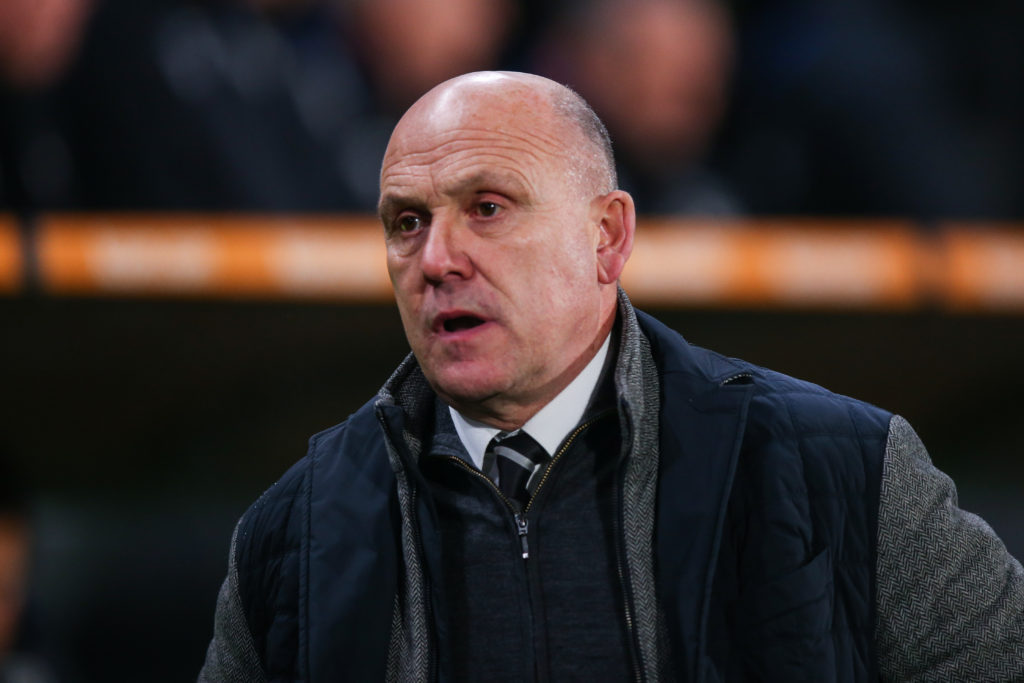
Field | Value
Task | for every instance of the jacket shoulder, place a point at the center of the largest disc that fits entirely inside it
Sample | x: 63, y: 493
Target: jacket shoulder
x: 268, y: 517
x: 267, y: 527
x: 792, y: 408
x: 781, y: 404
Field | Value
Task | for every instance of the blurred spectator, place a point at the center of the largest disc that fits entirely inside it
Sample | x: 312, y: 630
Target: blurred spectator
x: 209, y: 105
x: 409, y: 46
x: 870, y: 108
x: 38, y: 39
x: 267, y: 105
x: 402, y: 48
x: 858, y: 108
x: 657, y: 72
x: 18, y: 663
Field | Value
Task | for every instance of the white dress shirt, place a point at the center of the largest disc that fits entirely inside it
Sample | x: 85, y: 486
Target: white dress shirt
x: 549, y: 426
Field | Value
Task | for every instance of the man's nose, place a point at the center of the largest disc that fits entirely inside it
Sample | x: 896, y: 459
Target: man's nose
x: 444, y: 253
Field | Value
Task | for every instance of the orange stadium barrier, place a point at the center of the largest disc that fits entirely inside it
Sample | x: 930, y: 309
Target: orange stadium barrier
x: 11, y: 267
x: 984, y: 267
x: 213, y: 256
x: 802, y: 263
x: 790, y: 263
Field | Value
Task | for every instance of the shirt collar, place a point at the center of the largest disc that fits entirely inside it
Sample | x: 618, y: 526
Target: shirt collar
x: 551, y: 424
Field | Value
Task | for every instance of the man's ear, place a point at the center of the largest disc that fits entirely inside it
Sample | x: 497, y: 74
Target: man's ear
x: 617, y: 226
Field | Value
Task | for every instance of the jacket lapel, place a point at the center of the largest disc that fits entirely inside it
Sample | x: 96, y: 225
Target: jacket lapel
x: 700, y: 442
x: 702, y: 420
x: 347, y: 566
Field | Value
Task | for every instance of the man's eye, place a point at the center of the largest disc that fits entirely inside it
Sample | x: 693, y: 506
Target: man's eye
x: 487, y: 209
x: 408, y: 223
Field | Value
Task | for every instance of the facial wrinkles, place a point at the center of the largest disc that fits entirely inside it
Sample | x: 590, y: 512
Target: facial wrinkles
x: 457, y: 178
x: 517, y: 154
x: 445, y: 174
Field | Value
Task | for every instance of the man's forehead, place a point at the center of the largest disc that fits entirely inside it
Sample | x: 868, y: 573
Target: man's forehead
x: 443, y: 144
x: 484, y: 103
x: 469, y: 148
x: 490, y: 119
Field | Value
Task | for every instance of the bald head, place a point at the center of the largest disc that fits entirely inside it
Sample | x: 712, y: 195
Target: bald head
x: 506, y: 101
x: 505, y: 240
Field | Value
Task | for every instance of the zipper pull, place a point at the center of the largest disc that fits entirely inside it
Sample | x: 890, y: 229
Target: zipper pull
x: 522, y: 526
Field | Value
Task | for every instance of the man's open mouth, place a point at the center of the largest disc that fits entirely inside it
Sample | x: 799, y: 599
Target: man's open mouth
x: 462, y: 322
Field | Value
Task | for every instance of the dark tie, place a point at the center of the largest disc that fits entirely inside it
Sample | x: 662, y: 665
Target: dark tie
x: 520, y: 461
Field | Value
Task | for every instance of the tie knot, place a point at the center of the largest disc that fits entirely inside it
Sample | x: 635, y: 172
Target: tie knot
x: 521, y: 443
x: 519, y: 460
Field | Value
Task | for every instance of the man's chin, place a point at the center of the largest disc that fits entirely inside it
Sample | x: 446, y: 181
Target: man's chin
x: 469, y: 395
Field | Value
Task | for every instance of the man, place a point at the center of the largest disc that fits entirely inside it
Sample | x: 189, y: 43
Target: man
x: 555, y: 486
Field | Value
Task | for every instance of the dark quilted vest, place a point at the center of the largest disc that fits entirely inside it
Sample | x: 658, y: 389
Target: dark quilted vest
x: 794, y: 595
x: 764, y: 543
x: 788, y: 593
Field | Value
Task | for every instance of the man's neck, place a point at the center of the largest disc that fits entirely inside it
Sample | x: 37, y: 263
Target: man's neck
x: 549, y: 425
x: 509, y: 413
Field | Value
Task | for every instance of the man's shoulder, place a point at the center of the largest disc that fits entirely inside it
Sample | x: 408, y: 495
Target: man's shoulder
x: 357, y: 434
x: 807, y: 408
x: 780, y: 405
x: 795, y: 421
x: 332, y: 456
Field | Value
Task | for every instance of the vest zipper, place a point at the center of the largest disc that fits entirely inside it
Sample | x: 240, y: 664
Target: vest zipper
x: 561, y: 451
x: 522, y: 524
x: 477, y: 473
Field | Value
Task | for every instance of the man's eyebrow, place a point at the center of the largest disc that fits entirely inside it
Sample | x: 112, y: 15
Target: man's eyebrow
x: 390, y: 204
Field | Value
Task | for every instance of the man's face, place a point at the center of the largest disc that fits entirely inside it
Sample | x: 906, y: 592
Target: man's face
x: 491, y: 249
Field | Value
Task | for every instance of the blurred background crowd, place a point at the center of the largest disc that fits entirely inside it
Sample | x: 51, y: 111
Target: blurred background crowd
x: 821, y: 107
x: 145, y: 430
